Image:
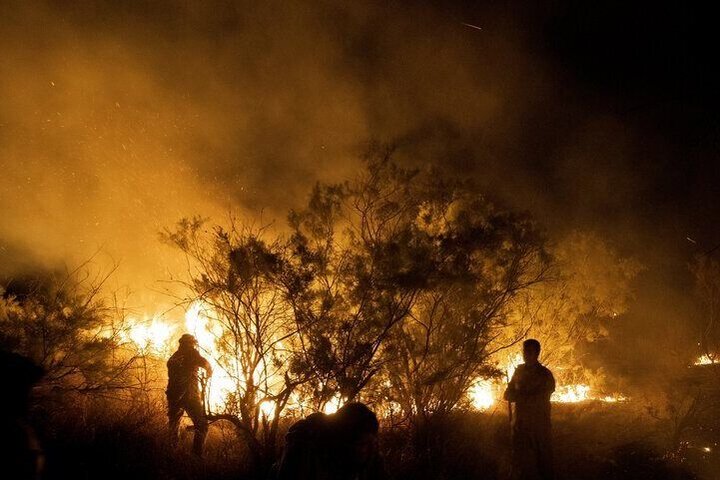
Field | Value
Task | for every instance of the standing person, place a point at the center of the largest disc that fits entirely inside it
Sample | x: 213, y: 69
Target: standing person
x: 21, y: 456
x: 530, y: 389
x: 341, y: 446
x: 183, y: 393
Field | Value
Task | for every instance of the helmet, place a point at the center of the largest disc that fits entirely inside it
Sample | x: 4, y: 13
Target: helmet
x: 187, y: 339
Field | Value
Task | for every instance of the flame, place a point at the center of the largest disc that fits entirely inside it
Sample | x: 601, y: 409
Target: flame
x: 267, y: 408
x: 512, y: 364
x: 333, y: 405
x: 571, y: 393
x: 485, y: 393
x: 199, y: 322
x: 150, y: 337
x: 154, y: 337
x: 705, y: 360
x: 482, y: 394
x: 613, y: 398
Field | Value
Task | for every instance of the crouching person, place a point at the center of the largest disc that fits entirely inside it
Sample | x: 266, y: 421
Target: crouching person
x: 341, y: 446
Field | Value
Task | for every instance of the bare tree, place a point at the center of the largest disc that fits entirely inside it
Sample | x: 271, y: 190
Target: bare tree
x: 395, y: 269
x: 62, y: 321
x: 358, y: 270
x: 706, y: 270
x: 234, y: 279
x: 588, y: 287
x: 484, y: 258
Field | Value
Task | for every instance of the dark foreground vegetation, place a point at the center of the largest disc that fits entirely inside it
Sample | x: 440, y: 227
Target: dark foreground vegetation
x: 592, y: 441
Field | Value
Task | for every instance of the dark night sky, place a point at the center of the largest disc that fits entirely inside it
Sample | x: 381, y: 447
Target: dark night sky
x: 120, y: 117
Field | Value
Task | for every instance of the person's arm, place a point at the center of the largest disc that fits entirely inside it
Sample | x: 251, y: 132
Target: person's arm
x: 549, y: 384
x: 511, y: 392
x: 204, y: 364
x: 207, y: 367
x: 172, y: 361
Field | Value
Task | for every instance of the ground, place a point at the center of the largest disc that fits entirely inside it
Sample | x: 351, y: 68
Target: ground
x: 592, y: 441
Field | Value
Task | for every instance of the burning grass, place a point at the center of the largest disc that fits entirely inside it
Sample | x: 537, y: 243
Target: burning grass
x: 154, y: 336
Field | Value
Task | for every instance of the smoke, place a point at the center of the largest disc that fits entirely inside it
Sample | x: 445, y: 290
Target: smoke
x: 117, y: 121
x: 119, y: 118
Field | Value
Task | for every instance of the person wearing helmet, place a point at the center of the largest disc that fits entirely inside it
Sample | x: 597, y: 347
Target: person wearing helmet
x: 183, y: 392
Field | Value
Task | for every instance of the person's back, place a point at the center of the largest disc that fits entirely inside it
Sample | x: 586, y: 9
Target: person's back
x: 183, y: 367
x: 305, y: 455
x: 533, y: 386
x: 342, y: 446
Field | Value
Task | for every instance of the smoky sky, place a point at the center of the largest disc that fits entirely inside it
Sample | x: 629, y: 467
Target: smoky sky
x: 119, y: 118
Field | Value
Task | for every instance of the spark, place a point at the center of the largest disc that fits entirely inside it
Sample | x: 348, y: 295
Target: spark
x: 471, y: 26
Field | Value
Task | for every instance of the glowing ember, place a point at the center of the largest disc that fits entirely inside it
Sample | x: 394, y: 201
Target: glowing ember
x: 482, y: 394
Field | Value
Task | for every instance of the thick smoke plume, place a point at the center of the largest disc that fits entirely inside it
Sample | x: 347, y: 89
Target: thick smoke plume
x: 117, y: 119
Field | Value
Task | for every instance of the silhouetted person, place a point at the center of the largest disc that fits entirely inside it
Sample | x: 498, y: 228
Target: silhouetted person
x: 530, y: 389
x: 341, y: 446
x: 20, y: 453
x: 183, y: 392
